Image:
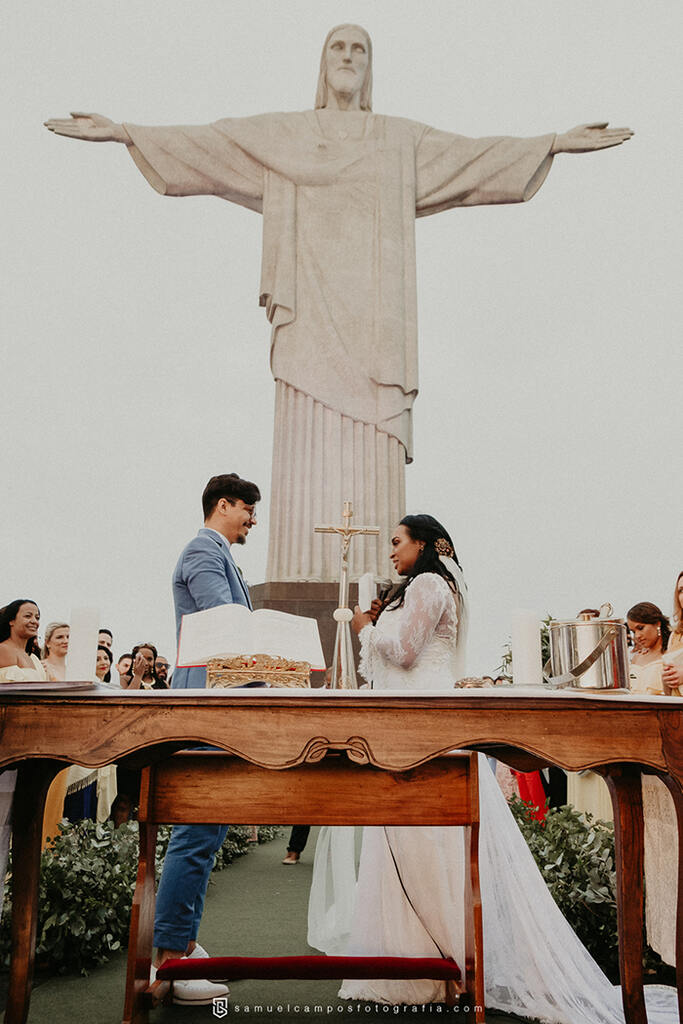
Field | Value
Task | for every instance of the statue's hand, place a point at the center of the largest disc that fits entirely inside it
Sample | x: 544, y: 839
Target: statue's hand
x: 587, y: 137
x: 89, y: 127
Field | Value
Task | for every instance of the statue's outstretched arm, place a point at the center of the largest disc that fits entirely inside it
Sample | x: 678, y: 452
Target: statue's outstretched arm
x: 89, y: 128
x: 586, y: 138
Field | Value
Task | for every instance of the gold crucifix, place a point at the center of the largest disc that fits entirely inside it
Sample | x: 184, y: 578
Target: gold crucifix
x: 343, y: 668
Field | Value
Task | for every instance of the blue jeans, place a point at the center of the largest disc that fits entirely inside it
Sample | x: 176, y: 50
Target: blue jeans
x: 185, y: 876
x: 187, y: 866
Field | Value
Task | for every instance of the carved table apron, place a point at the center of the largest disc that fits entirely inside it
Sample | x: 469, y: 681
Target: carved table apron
x: 617, y: 735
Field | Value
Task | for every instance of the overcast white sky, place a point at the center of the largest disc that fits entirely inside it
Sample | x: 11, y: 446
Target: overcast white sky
x: 136, y: 357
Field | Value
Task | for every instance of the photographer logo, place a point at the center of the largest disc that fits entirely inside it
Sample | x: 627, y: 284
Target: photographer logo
x: 220, y: 1007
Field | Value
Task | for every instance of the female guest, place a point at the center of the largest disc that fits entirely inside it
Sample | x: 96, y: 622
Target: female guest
x: 106, y: 785
x: 672, y: 671
x: 650, y: 631
x: 409, y: 895
x: 91, y: 792
x: 649, y: 674
x: 143, y: 674
x: 676, y: 639
x: 103, y: 666
x: 123, y: 667
x: 55, y: 647
x: 19, y: 622
x: 142, y: 677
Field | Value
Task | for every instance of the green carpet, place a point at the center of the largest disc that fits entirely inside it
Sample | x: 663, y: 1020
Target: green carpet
x: 256, y: 906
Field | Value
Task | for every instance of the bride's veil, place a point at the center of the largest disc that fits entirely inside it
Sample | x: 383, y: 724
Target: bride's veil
x: 463, y: 613
x: 333, y: 889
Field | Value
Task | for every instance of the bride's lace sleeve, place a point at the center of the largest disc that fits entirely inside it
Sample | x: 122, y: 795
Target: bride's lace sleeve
x: 426, y: 599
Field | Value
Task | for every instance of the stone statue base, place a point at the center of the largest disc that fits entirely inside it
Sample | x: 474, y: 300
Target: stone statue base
x: 314, y: 600
x: 326, y: 458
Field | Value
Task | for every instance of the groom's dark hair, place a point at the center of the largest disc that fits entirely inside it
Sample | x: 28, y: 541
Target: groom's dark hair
x: 230, y: 486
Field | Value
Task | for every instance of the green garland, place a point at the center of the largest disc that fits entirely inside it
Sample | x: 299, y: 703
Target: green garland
x: 87, y: 880
x: 88, y: 876
x: 575, y: 854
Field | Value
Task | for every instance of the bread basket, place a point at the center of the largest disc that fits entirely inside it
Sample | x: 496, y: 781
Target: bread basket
x: 225, y: 670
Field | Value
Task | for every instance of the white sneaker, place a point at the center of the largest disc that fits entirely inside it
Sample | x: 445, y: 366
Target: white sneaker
x: 197, y: 953
x: 200, y: 953
x: 198, y: 992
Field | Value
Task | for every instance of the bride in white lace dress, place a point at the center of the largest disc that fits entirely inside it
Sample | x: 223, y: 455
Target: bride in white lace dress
x: 408, y: 897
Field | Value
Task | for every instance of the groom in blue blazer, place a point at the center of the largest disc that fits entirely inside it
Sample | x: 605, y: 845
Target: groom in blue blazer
x: 205, y: 576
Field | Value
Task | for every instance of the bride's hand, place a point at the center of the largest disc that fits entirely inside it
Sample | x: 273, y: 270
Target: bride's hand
x: 360, y: 619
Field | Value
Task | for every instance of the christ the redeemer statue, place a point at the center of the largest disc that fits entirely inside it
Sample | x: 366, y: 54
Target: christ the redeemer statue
x: 339, y: 189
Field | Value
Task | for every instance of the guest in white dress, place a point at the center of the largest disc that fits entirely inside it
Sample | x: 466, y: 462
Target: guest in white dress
x: 672, y: 673
x: 408, y: 899
x: 19, y: 622
x: 650, y: 629
x: 649, y: 674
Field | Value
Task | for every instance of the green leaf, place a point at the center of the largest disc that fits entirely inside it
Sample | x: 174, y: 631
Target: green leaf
x: 86, y: 887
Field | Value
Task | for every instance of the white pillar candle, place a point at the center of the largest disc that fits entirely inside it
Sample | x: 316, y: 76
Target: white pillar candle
x: 367, y: 591
x: 81, y: 657
x: 526, y: 648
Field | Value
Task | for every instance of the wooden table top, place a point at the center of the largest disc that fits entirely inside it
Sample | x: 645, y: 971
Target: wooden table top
x: 391, y: 729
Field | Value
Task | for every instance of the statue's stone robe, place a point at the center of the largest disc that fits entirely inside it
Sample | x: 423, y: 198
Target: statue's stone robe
x: 339, y: 193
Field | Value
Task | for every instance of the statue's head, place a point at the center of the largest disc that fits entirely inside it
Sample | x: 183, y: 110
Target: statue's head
x: 346, y: 63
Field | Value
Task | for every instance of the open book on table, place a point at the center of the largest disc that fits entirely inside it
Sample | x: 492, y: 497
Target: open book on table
x: 233, y: 629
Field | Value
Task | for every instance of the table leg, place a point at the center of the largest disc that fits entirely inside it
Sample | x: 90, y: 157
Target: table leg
x: 141, y: 936
x: 674, y: 786
x: 623, y: 782
x: 27, y: 829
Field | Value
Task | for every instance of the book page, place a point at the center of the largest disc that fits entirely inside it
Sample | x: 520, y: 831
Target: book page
x: 289, y: 636
x: 234, y: 629
x: 205, y: 634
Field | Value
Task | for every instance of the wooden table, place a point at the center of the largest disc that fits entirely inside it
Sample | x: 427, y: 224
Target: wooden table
x: 617, y: 735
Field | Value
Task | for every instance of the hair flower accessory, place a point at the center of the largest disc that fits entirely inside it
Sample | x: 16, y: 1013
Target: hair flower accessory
x: 442, y: 547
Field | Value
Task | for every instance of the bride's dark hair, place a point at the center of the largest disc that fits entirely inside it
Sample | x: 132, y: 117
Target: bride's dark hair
x: 428, y: 529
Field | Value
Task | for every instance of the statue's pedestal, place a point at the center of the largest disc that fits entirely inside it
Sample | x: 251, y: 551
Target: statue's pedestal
x: 315, y: 601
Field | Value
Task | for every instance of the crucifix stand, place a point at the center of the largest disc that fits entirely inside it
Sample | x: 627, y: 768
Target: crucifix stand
x: 343, y: 668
